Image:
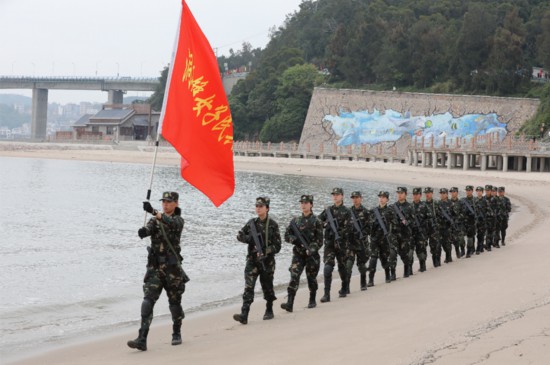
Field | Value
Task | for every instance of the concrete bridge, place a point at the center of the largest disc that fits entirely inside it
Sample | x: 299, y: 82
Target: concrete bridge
x: 116, y: 87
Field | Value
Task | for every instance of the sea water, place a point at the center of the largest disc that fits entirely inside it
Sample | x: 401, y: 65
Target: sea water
x: 72, y: 264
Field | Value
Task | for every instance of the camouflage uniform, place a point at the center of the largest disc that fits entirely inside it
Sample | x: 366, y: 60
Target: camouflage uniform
x: 481, y: 207
x: 445, y: 220
x: 360, y: 246
x: 264, y: 267
x: 422, y: 216
x: 381, y: 244
x: 457, y: 229
x: 336, y: 250
x: 505, y: 215
x: 164, y: 270
x: 402, y: 231
x: 498, y: 207
x: 432, y: 230
x: 469, y: 217
x: 311, y: 230
x: 490, y: 218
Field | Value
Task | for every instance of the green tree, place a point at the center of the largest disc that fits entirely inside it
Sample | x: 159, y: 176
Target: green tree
x: 292, y: 97
x: 543, y: 41
x: 156, y: 99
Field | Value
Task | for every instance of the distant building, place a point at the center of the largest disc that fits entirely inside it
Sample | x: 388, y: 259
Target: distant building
x: 118, y: 123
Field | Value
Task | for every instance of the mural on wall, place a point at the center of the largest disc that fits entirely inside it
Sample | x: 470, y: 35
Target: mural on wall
x: 364, y: 127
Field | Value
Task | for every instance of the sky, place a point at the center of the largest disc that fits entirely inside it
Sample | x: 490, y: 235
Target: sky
x: 126, y: 37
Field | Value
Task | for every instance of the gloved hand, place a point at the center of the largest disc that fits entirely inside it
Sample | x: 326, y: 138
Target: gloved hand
x: 148, y: 207
x: 243, y: 237
x: 142, y: 232
x: 291, y: 239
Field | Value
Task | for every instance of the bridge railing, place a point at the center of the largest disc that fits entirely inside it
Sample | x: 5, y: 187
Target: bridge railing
x: 77, y: 78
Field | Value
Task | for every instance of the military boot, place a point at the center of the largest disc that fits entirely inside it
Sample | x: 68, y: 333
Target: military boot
x: 343, y: 292
x: 422, y: 266
x: 176, y: 334
x: 411, y: 270
x: 371, y: 278
x: 326, y: 297
x: 363, y: 281
x: 448, y: 257
x: 288, y: 306
x: 434, y: 261
x: 392, y: 274
x: 312, y: 303
x: 457, y: 251
x: 462, y: 251
x: 406, y: 271
x: 388, y: 275
x: 243, y: 316
x: 268, y: 311
x: 140, y: 342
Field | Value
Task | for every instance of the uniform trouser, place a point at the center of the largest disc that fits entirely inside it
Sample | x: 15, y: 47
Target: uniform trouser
x: 446, y: 239
x: 169, y: 278
x: 435, y: 245
x: 300, y: 262
x: 252, y: 270
x: 418, y: 245
x: 331, y: 256
x: 503, y: 228
x: 480, y: 233
x: 490, y: 232
x: 470, y: 234
x: 362, y: 256
x: 457, y: 238
x: 380, y: 249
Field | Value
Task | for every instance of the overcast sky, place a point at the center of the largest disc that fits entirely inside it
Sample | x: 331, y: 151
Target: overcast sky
x: 128, y: 37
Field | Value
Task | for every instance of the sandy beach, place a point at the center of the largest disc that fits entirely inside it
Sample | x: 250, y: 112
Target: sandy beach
x: 489, y: 309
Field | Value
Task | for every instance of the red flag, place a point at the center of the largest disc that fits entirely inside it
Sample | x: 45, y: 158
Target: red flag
x: 196, y: 118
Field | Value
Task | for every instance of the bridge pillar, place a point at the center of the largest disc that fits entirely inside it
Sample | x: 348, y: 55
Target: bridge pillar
x: 39, y: 113
x: 434, y: 159
x: 519, y: 164
x: 500, y: 162
x: 483, y: 163
x: 529, y: 165
x: 505, y: 163
x: 116, y: 97
x: 465, y: 161
x: 449, y: 160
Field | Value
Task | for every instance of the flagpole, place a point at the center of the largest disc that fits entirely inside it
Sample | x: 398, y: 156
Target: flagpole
x: 159, y: 129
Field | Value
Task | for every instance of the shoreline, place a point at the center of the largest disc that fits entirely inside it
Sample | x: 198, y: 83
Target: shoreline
x: 490, y: 309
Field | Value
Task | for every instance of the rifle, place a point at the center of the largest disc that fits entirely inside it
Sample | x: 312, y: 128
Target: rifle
x: 334, y: 227
x: 404, y: 221
x: 420, y: 229
x: 358, y: 228
x: 448, y: 217
x: 470, y: 208
x: 382, y: 225
x: 184, y: 275
x: 301, y: 239
x: 258, y: 242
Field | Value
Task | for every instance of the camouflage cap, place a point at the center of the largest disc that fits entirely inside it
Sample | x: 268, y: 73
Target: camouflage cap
x: 356, y: 194
x: 402, y: 189
x: 488, y: 187
x: 337, y: 191
x: 262, y: 200
x: 479, y: 188
x: 384, y: 193
x: 501, y: 188
x: 443, y: 191
x: 306, y: 199
x: 428, y: 190
x: 417, y: 191
x: 170, y: 196
x: 494, y: 188
x: 469, y: 187
x: 454, y: 189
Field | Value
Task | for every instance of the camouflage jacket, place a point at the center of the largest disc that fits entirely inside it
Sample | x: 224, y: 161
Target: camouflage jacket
x: 458, y: 213
x: 507, y: 206
x: 376, y: 230
x: 492, y: 207
x: 173, y: 226
x: 342, y: 217
x: 402, y: 225
x: 445, y: 215
x: 362, y: 216
x: 423, y: 217
x: 469, y: 213
x: 481, y: 206
x: 431, y: 222
x: 503, y: 209
x: 267, y: 227
x: 311, y: 229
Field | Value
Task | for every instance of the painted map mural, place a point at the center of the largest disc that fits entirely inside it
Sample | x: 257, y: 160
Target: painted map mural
x: 364, y: 127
